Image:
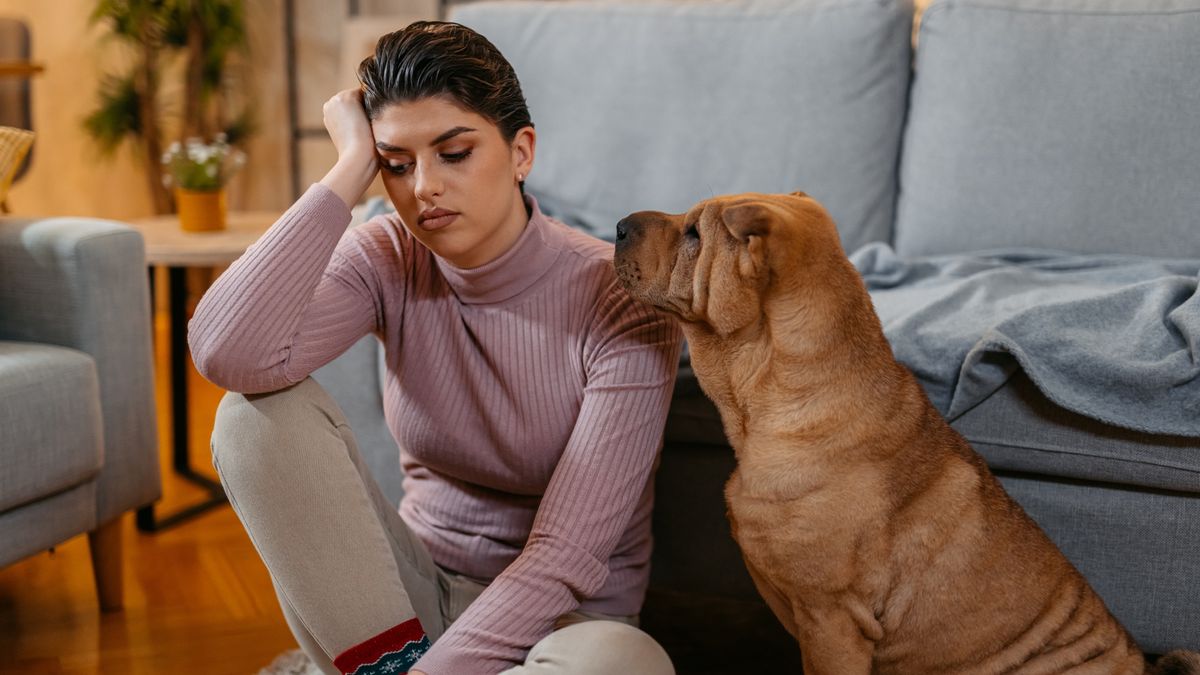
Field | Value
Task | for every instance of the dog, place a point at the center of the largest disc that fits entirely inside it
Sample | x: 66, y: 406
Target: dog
x: 874, y: 532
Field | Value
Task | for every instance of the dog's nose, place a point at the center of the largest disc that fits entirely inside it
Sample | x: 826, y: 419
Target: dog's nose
x: 626, y: 231
x: 632, y: 229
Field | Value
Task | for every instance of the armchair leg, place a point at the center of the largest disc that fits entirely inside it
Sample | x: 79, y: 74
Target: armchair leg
x: 105, y: 545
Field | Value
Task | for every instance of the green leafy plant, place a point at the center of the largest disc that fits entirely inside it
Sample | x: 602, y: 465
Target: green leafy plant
x: 204, y: 167
x: 138, y: 106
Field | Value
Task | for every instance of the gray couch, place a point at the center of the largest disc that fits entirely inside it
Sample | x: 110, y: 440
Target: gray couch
x: 78, y: 441
x: 1063, y: 125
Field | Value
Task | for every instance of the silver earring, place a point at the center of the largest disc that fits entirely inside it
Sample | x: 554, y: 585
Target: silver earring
x: 520, y: 177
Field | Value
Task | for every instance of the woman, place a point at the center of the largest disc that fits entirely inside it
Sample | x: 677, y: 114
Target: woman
x: 527, y: 392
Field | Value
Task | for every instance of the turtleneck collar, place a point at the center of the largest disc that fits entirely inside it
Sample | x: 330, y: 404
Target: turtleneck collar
x: 518, y: 268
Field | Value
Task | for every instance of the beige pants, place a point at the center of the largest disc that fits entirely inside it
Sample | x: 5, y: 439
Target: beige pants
x: 344, y: 564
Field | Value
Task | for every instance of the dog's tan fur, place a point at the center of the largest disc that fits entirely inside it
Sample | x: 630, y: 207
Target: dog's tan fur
x: 872, y: 529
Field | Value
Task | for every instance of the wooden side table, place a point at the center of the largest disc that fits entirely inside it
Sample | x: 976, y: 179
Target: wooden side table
x: 167, y: 245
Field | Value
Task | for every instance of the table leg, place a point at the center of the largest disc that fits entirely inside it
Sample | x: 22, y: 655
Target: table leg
x: 180, y: 460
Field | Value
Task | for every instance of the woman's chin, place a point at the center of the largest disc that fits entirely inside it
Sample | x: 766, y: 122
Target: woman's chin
x: 453, y: 249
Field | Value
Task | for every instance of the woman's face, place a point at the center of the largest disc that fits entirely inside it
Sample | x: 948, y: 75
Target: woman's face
x: 453, y: 177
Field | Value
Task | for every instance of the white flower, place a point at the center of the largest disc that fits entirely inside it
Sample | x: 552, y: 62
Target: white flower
x: 200, y: 165
x: 200, y: 154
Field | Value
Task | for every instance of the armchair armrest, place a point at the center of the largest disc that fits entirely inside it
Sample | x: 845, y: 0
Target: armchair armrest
x: 82, y: 283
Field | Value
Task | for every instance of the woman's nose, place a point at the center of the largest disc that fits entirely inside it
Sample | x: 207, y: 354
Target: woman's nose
x: 429, y: 184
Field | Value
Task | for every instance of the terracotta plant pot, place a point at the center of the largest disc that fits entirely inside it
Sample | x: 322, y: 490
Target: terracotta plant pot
x: 200, y: 211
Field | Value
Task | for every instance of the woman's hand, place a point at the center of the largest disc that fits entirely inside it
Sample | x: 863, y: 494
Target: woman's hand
x: 348, y: 127
x: 350, y: 130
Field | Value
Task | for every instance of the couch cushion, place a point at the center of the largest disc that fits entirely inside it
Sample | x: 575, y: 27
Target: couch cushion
x: 50, y: 428
x: 692, y: 418
x: 1061, y: 124
x: 1015, y: 429
x: 1019, y: 429
x: 657, y: 105
x: 47, y: 522
x: 1139, y: 550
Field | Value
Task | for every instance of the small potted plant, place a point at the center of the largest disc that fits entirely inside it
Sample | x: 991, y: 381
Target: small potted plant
x: 198, y: 172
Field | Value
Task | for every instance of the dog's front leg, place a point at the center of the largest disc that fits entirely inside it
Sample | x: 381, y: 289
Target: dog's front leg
x: 775, y: 600
x: 837, y: 640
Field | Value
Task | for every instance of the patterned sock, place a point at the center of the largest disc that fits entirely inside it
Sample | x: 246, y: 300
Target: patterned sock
x: 392, y: 652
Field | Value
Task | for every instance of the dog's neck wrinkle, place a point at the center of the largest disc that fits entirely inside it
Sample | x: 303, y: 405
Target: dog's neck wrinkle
x: 715, y: 358
x: 767, y: 357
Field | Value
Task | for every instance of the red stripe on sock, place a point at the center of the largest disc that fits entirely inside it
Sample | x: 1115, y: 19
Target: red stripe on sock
x: 390, y: 640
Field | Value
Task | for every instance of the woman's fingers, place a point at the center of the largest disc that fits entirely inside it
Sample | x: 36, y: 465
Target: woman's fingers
x: 347, y: 124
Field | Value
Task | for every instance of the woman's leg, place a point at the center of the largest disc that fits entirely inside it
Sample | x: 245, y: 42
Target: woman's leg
x: 350, y: 572
x: 594, y: 647
x: 583, y: 643
x: 307, y: 643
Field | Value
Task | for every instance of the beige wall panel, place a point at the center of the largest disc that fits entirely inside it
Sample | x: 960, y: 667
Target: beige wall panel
x: 265, y: 182
x: 318, y: 46
x: 317, y: 156
x: 422, y: 7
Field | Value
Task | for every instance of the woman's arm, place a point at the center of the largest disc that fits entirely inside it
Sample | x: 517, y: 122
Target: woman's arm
x: 632, y: 359
x: 292, y: 302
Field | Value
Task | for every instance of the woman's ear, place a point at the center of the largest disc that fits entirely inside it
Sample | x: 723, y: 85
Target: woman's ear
x: 524, y: 145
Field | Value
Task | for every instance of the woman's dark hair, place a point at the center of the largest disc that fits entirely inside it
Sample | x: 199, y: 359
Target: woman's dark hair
x: 437, y: 58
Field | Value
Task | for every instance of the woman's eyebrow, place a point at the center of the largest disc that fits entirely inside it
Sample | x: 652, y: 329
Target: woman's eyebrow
x: 388, y: 147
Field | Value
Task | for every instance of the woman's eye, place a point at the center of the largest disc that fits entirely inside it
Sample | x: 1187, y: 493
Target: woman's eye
x: 398, y: 169
x: 455, y: 157
x: 692, y: 232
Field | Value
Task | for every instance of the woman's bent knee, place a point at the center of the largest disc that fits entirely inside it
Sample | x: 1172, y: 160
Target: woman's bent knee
x: 597, y: 648
x: 250, y: 430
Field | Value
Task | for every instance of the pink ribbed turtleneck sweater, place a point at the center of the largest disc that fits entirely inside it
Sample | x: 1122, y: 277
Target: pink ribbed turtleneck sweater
x: 528, y: 397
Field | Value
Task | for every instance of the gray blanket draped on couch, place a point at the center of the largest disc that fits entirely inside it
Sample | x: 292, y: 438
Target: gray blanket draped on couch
x: 1115, y: 338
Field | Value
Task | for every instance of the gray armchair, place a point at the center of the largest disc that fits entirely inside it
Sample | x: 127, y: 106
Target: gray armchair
x: 78, y: 442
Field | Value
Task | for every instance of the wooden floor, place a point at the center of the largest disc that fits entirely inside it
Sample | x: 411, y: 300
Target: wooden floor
x: 197, y: 598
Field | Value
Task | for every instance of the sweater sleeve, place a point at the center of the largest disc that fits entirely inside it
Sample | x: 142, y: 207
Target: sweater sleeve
x: 631, y: 359
x: 299, y: 297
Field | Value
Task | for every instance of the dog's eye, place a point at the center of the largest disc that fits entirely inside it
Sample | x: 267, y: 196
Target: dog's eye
x: 692, y: 232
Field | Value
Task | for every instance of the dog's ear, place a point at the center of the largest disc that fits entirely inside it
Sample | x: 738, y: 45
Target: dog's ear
x: 750, y: 223
x: 747, y: 220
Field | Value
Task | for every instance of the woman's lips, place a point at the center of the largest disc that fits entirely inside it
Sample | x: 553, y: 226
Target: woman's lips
x: 435, y: 219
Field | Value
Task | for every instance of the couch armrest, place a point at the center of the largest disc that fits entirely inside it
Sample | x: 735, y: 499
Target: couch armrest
x: 82, y: 283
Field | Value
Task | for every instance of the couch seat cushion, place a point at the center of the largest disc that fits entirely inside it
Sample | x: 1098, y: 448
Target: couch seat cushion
x: 692, y: 417
x: 1016, y: 429
x: 50, y: 428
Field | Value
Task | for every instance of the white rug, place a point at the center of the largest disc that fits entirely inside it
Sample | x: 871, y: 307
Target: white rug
x: 291, y: 663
